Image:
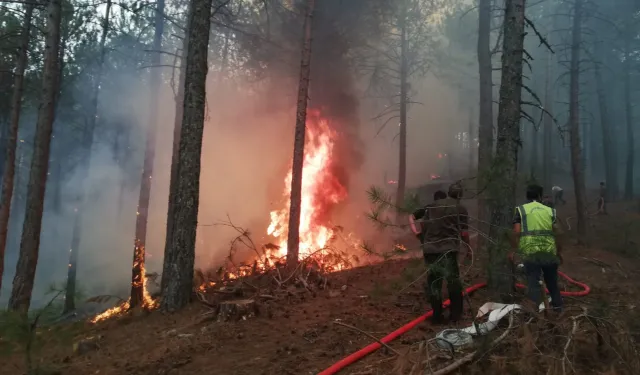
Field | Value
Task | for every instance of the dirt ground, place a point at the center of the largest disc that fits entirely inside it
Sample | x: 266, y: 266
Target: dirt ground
x: 298, y: 336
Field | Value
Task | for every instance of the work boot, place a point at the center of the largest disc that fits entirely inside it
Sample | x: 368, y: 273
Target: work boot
x: 438, y: 320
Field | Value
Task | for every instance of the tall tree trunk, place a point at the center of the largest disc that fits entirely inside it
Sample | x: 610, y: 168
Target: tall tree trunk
x: 12, y: 136
x: 177, y: 123
x: 504, y: 166
x: 485, y: 117
x: 30, y: 242
x: 293, y: 238
x: 137, y: 271
x: 534, y: 133
x: 577, y: 166
x: 402, y: 156
x: 180, y: 257
x: 470, y: 137
x: 548, y: 128
x: 85, y: 164
x: 628, y: 185
x: 609, y: 152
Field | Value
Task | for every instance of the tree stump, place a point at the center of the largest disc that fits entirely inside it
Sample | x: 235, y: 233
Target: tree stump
x: 237, y: 309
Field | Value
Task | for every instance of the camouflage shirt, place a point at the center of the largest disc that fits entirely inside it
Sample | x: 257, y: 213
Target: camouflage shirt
x: 442, y: 225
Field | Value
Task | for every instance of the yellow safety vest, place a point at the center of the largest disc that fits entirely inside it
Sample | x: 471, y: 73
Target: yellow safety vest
x: 536, y: 230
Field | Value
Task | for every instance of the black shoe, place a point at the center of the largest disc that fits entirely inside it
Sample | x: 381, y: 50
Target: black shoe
x: 438, y: 320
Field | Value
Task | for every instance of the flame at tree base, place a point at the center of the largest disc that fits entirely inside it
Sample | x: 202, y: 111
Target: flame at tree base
x: 322, y: 192
x: 148, y: 303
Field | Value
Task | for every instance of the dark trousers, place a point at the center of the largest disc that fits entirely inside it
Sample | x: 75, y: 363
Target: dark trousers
x: 444, y: 267
x: 550, y: 275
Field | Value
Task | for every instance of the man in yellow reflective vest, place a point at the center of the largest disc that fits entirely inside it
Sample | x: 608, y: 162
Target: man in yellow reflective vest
x: 535, y: 238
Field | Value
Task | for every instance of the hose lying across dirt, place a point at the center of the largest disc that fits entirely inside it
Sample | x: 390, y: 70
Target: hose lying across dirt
x: 333, y: 369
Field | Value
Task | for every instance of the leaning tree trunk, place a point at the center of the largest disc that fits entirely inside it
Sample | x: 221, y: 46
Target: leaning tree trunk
x: 177, y: 123
x: 293, y: 238
x: 85, y: 163
x: 485, y: 117
x: 180, y: 257
x: 402, y: 157
x: 609, y: 152
x: 577, y: 166
x: 137, y: 270
x: 30, y: 242
x: 12, y: 136
x: 628, y: 185
x: 504, y: 166
x: 548, y: 128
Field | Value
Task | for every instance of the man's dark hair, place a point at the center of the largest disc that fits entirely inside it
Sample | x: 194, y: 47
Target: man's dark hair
x: 455, y: 191
x: 534, y: 192
x: 602, y: 183
x: 439, y: 195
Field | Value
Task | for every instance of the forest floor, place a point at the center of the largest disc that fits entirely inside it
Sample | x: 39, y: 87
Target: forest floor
x: 298, y: 337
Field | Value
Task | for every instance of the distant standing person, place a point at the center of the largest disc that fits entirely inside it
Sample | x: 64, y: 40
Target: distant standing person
x: 535, y: 239
x: 557, y: 195
x: 602, y: 199
x: 445, y: 227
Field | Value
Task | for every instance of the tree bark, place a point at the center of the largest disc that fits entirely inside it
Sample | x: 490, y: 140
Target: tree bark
x: 609, y: 152
x: 180, y: 257
x: 402, y: 155
x: 293, y: 237
x: 85, y: 164
x: 139, y: 251
x: 628, y: 185
x: 548, y: 127
x: 177, y: 123
x: 504, y: 166
x: 30, y: 242
x: 485, y: 117
x: 577, y: 166
x: 12, y: 134
x: 470, y: 137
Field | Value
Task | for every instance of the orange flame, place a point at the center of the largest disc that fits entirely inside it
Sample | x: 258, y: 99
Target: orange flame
x: 321, y: 190
x: 148, y: 303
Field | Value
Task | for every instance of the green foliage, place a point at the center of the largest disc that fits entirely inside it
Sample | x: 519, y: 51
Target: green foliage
x: 29, y: 334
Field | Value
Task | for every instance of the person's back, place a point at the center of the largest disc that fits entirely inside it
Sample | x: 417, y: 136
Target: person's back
x: 537, y: 241
x: 534, y: 238
x: 447, y: 219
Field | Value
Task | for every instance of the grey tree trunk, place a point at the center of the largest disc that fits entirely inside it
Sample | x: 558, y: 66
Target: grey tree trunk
x: 177, y: 123
x: 470, y: 137
x: 30, y: 242
x: 609, y: 152
x: 486, y: 115
x: 12, y: 134
x: 504, y: 166
x: 577, y: 167
x: 402, y: 155
x: 139, y: 251
x: 293, y: 237
x: 180, y: 258
x: 548, y: 128
x: 628, y: 185
x: 87, y: 145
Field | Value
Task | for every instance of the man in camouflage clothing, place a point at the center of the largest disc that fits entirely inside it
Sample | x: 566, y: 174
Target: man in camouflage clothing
x: 444, y: 227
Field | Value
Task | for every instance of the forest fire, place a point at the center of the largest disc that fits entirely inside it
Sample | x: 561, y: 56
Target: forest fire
x: 148, y: 303
x: 321, y: 192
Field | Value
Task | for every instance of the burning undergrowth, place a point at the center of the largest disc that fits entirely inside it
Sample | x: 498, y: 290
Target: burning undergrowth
x: 324, y: 246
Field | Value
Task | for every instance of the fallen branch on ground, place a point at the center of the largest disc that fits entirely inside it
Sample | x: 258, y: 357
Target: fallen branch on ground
x: 368, y: 335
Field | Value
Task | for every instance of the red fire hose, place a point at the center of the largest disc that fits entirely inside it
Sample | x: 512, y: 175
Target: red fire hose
x: 333, y: 369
